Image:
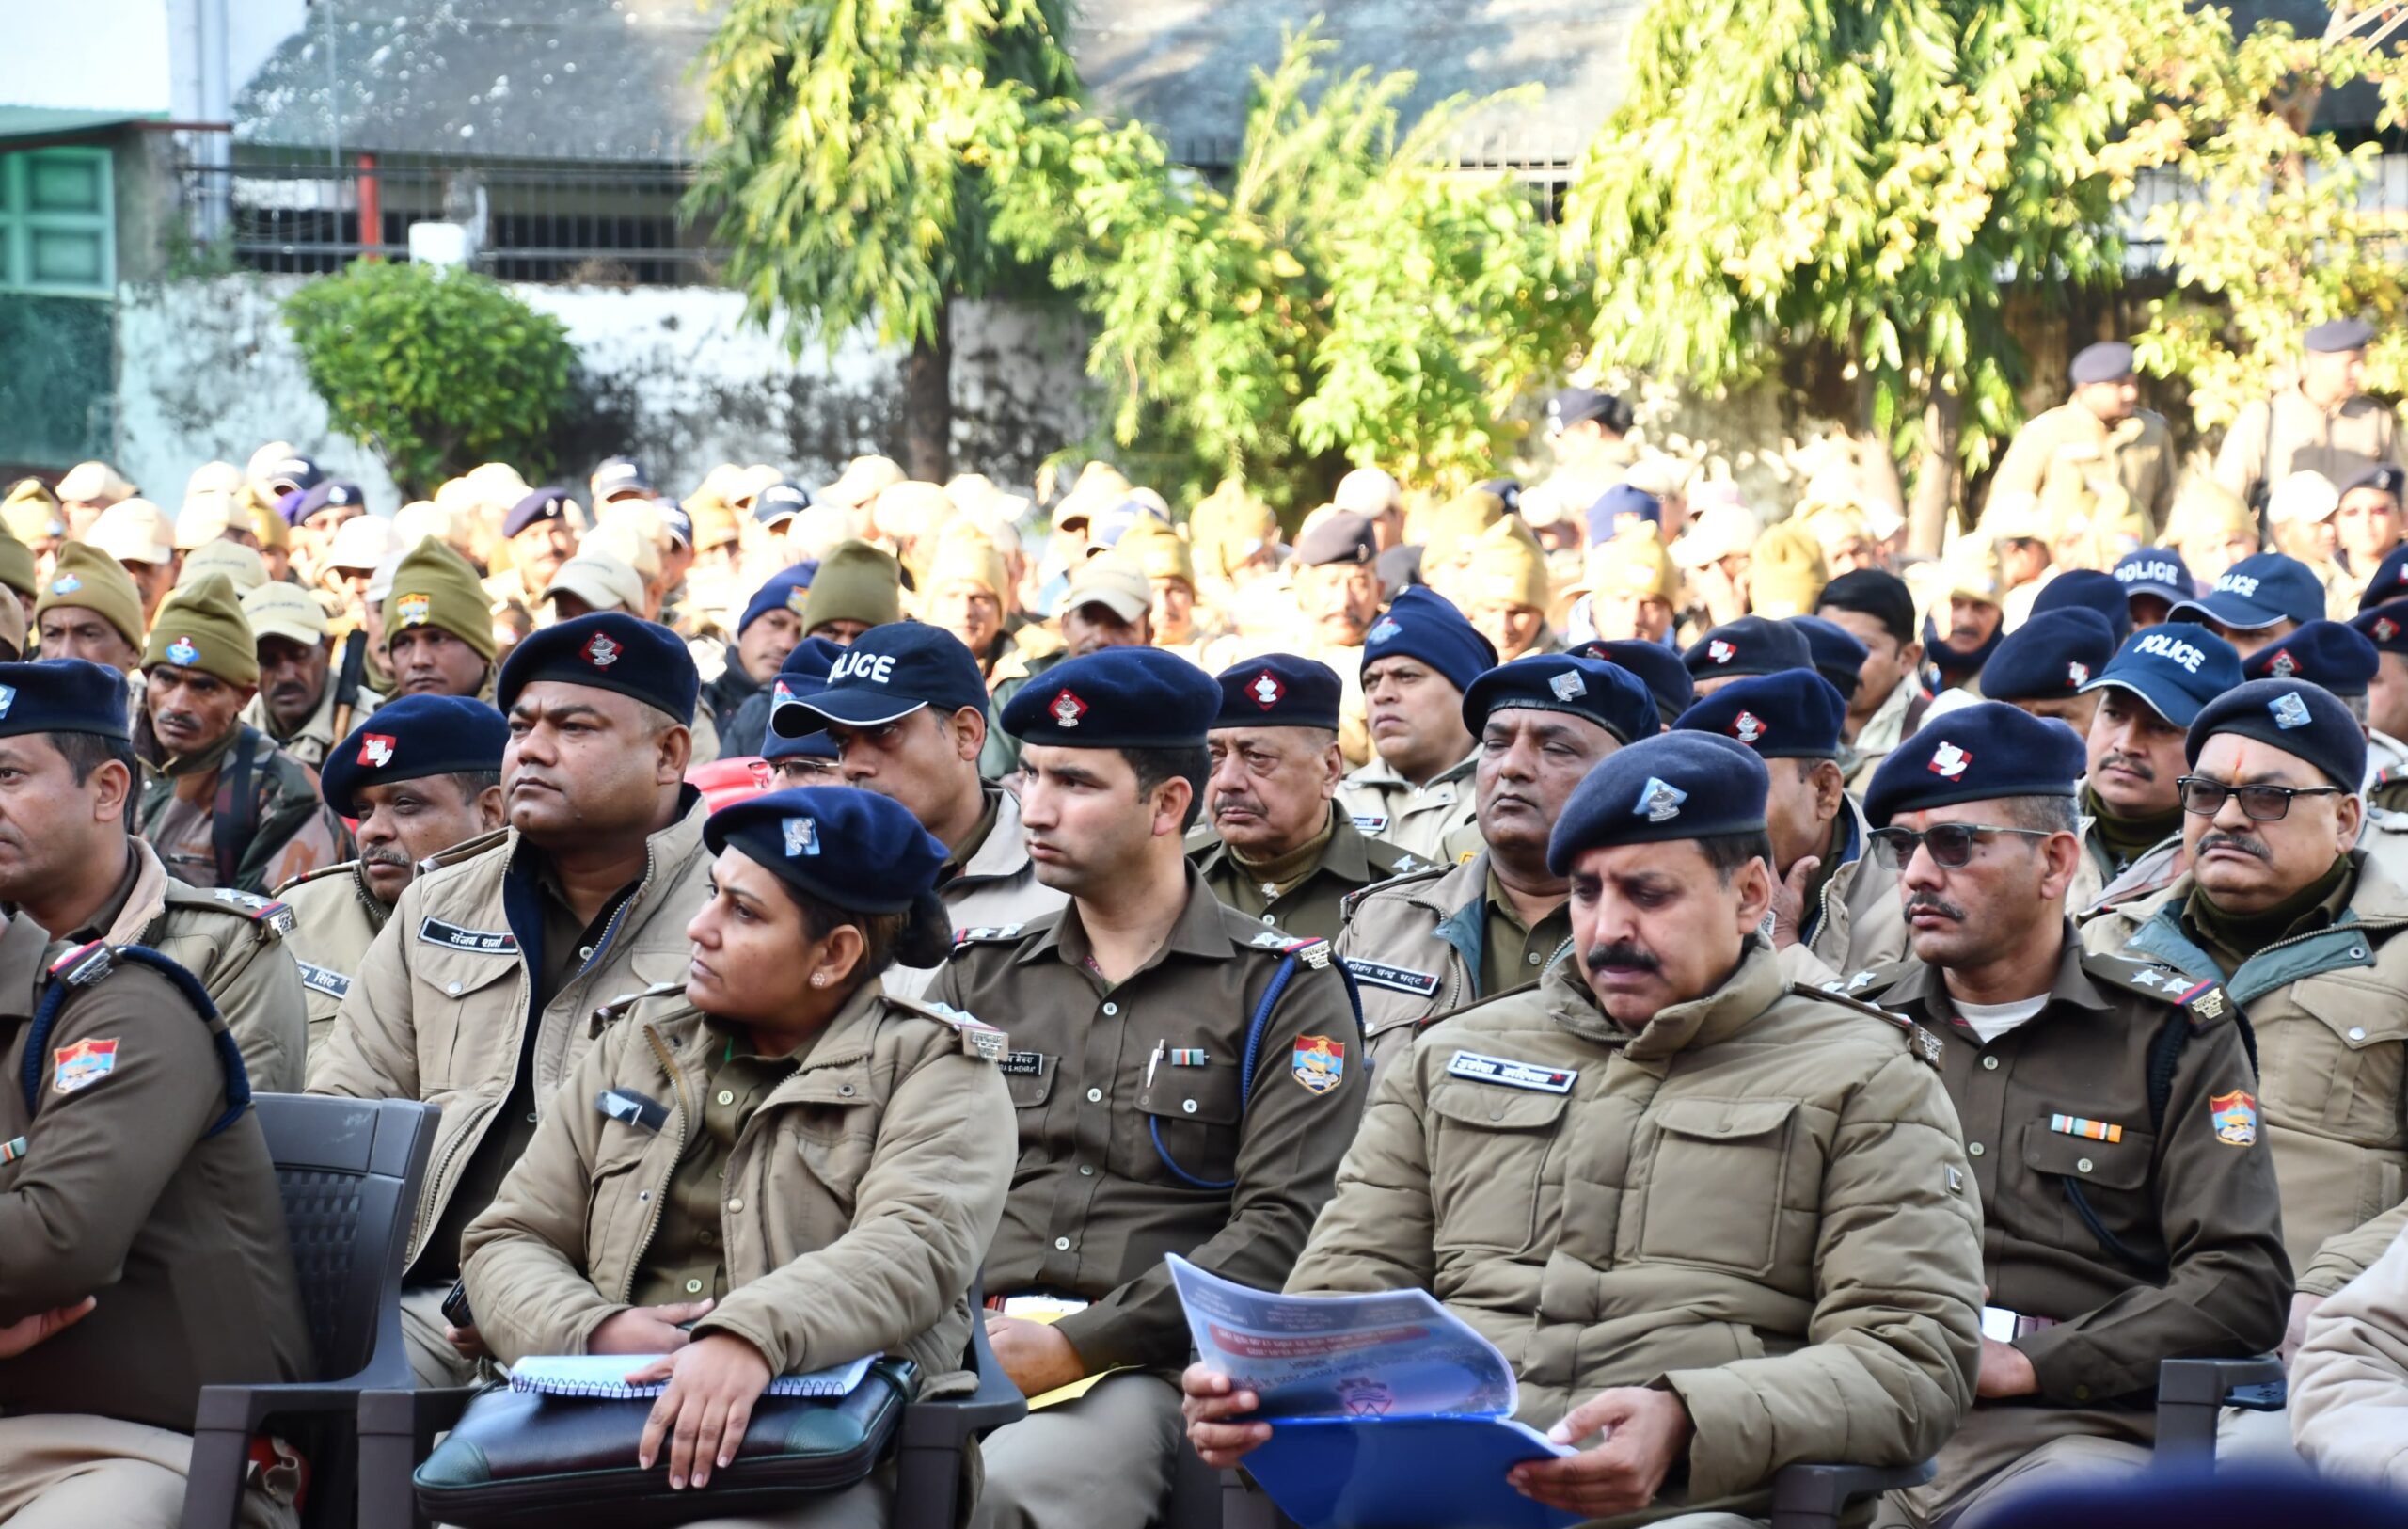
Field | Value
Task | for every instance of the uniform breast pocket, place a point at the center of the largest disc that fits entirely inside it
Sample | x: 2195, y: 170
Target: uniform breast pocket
x: 2111, y: 1179
x: 1488, y: 1156
x: 2339, y: 1069
x: 460, y: 1009
x: 619, y: 1195
x: 1717, y: 1180
x: 834, y: 1146
x: 1187, y: 1128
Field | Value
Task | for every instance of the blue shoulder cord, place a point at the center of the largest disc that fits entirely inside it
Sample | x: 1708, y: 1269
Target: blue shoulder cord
x: 1253, y: 1052
x: 229, y: 1056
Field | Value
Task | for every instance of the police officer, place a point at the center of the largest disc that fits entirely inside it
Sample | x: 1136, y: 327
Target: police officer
x: 1338, y: 595
x: 1419, y: 659
x: 1834, y: 906
x: 2256, y: 601
x: 2300, y: 927
x: 144, y: 1235
x: 2098, y: 444
x: 421, y: 776
x: 1875, y: 608
x: 2131, y: 807
x: 1275, y: 848
x: 1750, y: 646
x: 1437, y: 940
x: 664, y: 1210
x: 1659, y: 668
x: 1186, y: 1082
x: 906, y: 708
x: 90, y: 610
x: 806, y: 758
x: 2127, y: 1202
x: 766, y: 633
x: 479, y: 991
x: 438, y: 625
x: 1725, y: 1221
x: 68, y: 864
x: 298, y: 697
x: 2043, y: 664
x: 2320, y: 423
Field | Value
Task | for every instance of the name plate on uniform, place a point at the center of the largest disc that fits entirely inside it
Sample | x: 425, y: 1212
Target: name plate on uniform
x: 1022, y: 1064
x: 1403, y: 979
x: 325, y: 979
x: 1370, y: 822
x: 1512, y: 1073
x: 482, y: 941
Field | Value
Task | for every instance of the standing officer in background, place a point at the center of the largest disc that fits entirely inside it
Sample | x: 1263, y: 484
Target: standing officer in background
x: 1338, y: 594
x: 67, y: 862
x: 1137, y: 1012
x: 423, y: 775
x: 2097, y: 441
x: 2321, y: 424
x: 1418, y: 660
x: 1434, y: 941
x: 1834, y: 906
x: 438, y: 626
x: 2303, y: 930
x: 478, y: 993
x: 140, y: 1215
x: 1809, y: 1291
x: 2127, y: 1202
x: 905, y: 710
x: 1276, y: 849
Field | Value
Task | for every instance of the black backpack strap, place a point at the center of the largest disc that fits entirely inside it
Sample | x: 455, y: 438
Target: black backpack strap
x: 236, y: 820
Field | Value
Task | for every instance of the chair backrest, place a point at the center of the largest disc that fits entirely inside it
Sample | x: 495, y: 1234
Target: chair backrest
x: 350, y: 1171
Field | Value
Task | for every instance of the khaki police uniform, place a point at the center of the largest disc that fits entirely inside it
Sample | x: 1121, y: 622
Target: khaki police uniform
x: 834, y: 1201
x: 1892, y: 723
x: 1140, y: 1135
x: 2122, y: 1225
x: 2099, y: 880
x: 993, y: 886
x: 335, y: 919
x: 1758, y: 1201
x: 1312, y: 902
x: 477, y: 996
x: 130, y: 1175
x: 2326, y: 1007
x: 2070, y: 455
x: 1416, y: 819
x: 2275, y: 437
x: 1858, y: 919
x: 1438, y: 940
x: 316, y: 735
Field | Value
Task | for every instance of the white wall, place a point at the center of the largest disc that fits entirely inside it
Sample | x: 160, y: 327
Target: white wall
x: 92, y: 55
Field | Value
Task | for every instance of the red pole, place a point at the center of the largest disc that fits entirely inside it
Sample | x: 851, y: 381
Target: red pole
x: 372, y: 209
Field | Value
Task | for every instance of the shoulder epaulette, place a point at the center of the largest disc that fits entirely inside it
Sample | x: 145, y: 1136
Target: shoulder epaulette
x: 613, y: 1011
x: 2206, y: 1001
x: 341, y: 867
x: 84, y: 966
x: 1925, y: 1044
x: 1399, y: 862
x: 986, y: 934
x: 1313, y: 952
x: 978, y: 1038
x: 275, y: 920
x: 467, y: 849
x: 1423, y: 871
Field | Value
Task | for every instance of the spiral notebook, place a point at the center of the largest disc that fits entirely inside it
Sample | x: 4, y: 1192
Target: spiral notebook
x: 605, y: 1376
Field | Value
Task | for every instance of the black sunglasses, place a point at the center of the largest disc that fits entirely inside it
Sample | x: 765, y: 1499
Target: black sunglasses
x: 1951, y: 844
x: 2258, y: 803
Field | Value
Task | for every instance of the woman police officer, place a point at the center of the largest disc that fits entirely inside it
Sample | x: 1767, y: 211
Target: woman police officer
x: 784, y: 1159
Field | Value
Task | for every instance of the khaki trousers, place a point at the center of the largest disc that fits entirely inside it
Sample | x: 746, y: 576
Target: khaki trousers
x: 1103, y: 1461
x: 64, y: 1471
x: 2001, y: 1450
x: 868, y: 1506
x: 434, y: 1362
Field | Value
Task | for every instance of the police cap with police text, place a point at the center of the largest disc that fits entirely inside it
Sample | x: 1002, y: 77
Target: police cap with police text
x: 409, y: 740
x: 2297, y: 716
x: 1279, y: 690
x: 62, y: 695
x: 2339, y: 658
x: 1613, y: 698
x: 2256, y: 593
x: 1750, y: 646
x: 1118, y: 698
x: 2176, y: 668
x: 2050, y: 657
x: 1674, y: 785
x: 2154, y: 570
x: 889, y: 673
x: 608, y: 650
x: 1977, y: 752
x: 1795, y: 714
x: 818, y: 839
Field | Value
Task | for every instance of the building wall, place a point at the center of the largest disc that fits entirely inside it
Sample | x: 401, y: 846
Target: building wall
x: 206, y: 369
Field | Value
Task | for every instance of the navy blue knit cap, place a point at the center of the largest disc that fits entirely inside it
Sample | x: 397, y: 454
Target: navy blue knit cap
x: 1674, y: 785
x: 1795, y: 714
x: 1118, y: 698
x: 1613, y: 697
x: 1977, y: 752
x: 1423, y: 624
x: 821, y: 838
x: 1279, y: 690
x: 2052, y: 656
x: 786, y: 591
x: 609, y: 650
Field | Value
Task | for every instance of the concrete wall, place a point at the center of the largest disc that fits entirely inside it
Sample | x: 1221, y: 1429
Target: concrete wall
x: 206, y: 369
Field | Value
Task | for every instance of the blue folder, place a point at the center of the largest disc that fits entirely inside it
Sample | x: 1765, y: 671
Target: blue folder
x: 1434, y: 1471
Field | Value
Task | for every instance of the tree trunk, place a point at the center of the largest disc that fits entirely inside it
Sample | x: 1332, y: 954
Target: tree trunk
x: 1943, y: 423
x: 927, y: 403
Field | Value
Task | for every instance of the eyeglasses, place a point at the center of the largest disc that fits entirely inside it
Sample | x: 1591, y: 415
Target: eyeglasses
x: 2258, y: 803
x: 1951, y: 844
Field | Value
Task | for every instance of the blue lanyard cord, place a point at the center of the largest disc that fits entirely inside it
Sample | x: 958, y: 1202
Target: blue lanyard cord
x: 1246, y: 1078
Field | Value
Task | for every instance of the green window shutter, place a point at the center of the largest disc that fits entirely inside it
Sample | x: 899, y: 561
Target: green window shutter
x: 58, y: 223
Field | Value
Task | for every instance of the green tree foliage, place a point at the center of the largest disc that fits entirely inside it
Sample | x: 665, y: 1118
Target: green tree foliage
x: 839, y: 164
x: 433, y: 371
x: 1867, y: 179
x: 2268, y: 235
x: 1347, y: 296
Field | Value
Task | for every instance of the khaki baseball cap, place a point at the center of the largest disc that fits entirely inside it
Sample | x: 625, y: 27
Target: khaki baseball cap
x: 212, y: 478
x: 94, y: 483
x: 600, y: 579
x: 364, y: 541
x: 279, y: 610
x: 241, y: 565
x: 205, y: 518
x: 134, y: 531
x: 1114, y: 582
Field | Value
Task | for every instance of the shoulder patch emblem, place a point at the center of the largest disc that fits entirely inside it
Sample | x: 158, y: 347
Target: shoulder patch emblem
x: 484, y: 942
x: 83, y: 1065
x: 1401, y: 979
x: 2234, y: 1117
x: 325, y: 979
x: 1511, y: 1073
x: 1319, y: 1063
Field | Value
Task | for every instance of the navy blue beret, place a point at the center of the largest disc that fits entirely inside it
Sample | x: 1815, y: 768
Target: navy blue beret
x: 890, y: 672
x: 1613, y: 698
x: 2257, y: 592
x: 1750, y: 646
x: 411, y: 739
x: 2050, y: 657
x: 1621, y: 500
x: 820, y: 838
x: 1795, y: 714
x: 1659, y: 668
x: 2340, y: 334
x: 1574, y: 404
x: 1279, y: 690
x: 2339, y: 658
x: 783, y: 592
x: 2301, y: 719
x: 2086, y: 589
x: 2103, y: 362
x: 804, y: 676
x: 609, y: 650
x: 62, y: 695
x: 1976, y: 752
x: 2390, y: 580
x: 538, y: 504
x: 1423, y: 624
x: 2385, y: 626
x: 2154, y: 570
x: 1674, y: 785
x: 1342, y: 538
x: 1839, y: 656
x: 332, y: 495
x: 2176, y: 667
x: 1117, y: 698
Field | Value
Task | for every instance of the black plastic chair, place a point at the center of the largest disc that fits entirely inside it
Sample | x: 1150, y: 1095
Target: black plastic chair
x: 350, y: 1171
x: 2191, y: 1395
x: 397, y: 1430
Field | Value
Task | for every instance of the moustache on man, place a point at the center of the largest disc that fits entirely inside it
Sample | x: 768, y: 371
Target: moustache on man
x: 1927, y: 902
x: 2216, y: 839
x: 1628, y: 957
